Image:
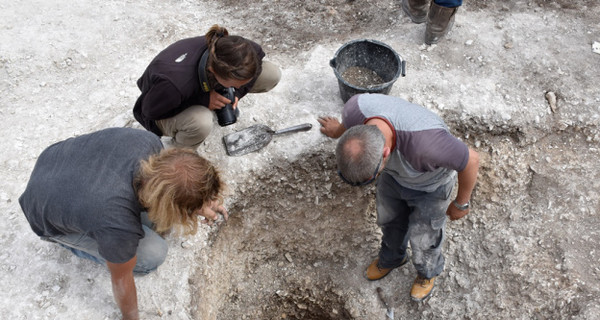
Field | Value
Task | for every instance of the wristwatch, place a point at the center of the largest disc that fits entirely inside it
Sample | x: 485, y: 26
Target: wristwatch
x: 462, y: 207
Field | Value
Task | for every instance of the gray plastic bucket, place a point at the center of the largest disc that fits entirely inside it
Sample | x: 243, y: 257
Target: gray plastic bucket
x: 369, y: 54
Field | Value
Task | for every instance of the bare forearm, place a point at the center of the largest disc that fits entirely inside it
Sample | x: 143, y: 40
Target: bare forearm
x: 126, y: 297
x: 467, y: 178
x: 123, y: 285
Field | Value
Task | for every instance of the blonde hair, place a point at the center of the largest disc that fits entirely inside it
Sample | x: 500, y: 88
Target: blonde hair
x: 173, y: 184
x: 231, y: 57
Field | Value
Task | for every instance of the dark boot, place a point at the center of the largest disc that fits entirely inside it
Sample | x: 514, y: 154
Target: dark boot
x: 416, y: 10
x: 439, y: 22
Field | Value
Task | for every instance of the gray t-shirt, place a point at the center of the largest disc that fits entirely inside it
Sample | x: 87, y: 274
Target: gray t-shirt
x: 83, y: 185
x: 426, y: 155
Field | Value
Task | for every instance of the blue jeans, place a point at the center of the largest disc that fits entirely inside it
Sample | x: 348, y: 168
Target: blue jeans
x: 448, y: 3
x: 151, y: 251
x: 405, y: 215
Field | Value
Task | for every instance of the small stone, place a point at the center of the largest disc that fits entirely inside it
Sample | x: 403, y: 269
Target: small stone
x: 596, y: 47
x: 302, y: 306
x: 288, y: 256
x: 551, y: 97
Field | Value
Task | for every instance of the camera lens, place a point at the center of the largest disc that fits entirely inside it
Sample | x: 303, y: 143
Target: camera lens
x: 226, y: 115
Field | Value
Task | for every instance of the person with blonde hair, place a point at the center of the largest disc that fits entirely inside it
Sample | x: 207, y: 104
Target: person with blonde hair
x: 110, y: 195
x: 191, y: 78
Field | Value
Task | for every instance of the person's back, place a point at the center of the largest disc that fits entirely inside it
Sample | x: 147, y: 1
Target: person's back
x: 84, y: 185
x: 426, y: 154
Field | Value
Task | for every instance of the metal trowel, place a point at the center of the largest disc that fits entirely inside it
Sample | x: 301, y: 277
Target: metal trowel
x: 255, y: 138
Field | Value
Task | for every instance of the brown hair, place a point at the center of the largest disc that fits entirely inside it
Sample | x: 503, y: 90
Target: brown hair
x: 231, y: 57
x: 173, y: 184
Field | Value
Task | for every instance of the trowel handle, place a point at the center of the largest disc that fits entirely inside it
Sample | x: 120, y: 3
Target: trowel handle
x: 300, y: 127
x: 380, y: 295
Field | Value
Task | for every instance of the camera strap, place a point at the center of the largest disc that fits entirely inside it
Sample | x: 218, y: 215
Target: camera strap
x: 202, y: 72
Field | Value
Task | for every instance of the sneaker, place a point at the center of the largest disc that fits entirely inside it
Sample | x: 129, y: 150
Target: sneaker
x: 422, y: 288
x: 375, y: 272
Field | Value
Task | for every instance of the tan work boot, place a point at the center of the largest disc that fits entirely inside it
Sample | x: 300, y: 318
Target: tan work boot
x: 374, y: 272
x: 422, y: 288
x: 439, y: 22
x: 416, y: 10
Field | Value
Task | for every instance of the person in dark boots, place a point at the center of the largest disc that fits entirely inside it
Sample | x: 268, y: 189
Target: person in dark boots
x: 439, y: 15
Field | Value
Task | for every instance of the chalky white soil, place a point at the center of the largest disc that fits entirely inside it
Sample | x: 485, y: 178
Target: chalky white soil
x: 516, y: 80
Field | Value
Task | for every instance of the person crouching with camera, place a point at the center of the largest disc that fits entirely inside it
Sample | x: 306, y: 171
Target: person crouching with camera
x: 192, y: 77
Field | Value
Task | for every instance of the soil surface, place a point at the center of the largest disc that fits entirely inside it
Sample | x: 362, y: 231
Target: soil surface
x: 516, y: 80
x: 302, y: 239
x: 363, y: 78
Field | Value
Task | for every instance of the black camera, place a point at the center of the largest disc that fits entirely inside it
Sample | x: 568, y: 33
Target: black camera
x: 227, y: 115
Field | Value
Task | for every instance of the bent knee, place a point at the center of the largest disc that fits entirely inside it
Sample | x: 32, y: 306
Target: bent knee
x: 195, y: 127
x: 268, y: 78
x: 151, y: 252
x: 150, y: 260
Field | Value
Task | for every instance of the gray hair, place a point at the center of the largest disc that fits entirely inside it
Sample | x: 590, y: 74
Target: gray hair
x: 359, y: 151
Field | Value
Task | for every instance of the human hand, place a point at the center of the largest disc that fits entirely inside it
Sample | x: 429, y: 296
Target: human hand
x: 235, y: 103
x: 331, y: 127
x: 218, y: 101
x: 454, y: 213
x: 211, y: 212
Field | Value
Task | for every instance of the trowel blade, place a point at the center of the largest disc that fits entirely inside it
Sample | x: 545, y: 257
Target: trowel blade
x: 390, y: 313
x: 247, y: 140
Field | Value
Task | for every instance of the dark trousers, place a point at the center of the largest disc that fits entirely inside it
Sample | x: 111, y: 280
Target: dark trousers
x: 416, y: 217
x: 448, y: 3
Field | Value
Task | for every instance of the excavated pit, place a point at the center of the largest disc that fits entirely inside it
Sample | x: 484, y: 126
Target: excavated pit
x: 298, y: 241
x: 304, y: 232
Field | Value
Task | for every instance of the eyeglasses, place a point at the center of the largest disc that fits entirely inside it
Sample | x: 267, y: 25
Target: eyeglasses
x: 364, y: 183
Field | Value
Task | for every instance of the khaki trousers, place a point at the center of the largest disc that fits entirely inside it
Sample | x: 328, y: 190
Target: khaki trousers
x: 191, y: 126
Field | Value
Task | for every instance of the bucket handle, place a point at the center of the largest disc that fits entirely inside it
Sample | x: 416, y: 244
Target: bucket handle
x: 332, y: 63
x: 403, y: 68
